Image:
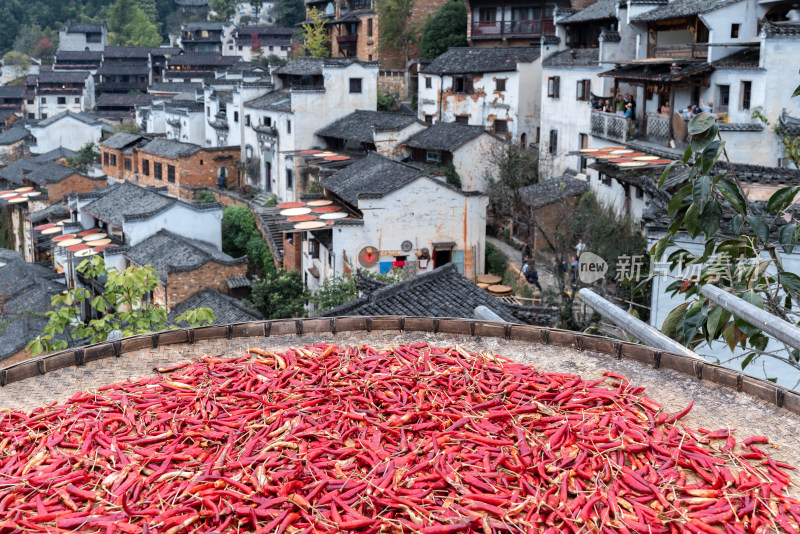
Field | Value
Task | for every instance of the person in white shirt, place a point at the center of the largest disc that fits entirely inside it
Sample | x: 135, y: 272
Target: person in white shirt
x: 580, y: 248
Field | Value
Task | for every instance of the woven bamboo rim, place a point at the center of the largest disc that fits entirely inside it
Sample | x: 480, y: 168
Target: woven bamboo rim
x: 761, y: 389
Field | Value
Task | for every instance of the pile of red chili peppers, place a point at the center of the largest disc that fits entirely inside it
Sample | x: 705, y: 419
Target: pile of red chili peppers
x: 405, y: 439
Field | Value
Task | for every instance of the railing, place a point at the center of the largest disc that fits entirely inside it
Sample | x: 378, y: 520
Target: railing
x: 610, y: 126
x: 657, y: 126
x: 512, y: 28
x: 347, y: 41
x: 683, y: 50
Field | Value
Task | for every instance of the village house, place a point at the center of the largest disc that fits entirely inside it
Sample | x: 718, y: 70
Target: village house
x: 496, y: 88
x: 68, y: 129
x: 176, y: 111
x: 54, y: 181
x: 192, y: 10
x: 366, y: 130
x: 205, y: 37
x: 266, y: 40
x: 80, y: 36
x: 125, y: 69
x: 52, y: 92
x: 256, y: 12
x: 492, y: 23
x: 12, y: 98
x: 89, y: 60
x: 120, y: 108
x: 14, y: 144
x: 467, y: 148
x: 117, y: 158
x: 308, y: 92
x: 197, y: 67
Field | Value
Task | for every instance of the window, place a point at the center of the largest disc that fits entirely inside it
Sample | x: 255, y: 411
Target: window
x: 288, y: 126
x: 500, y: 85
x: 146, y: 167
x: 266, y: 121
x: 462, y: 119
x: 369, y: 27
x: 77, y: 100
x: 605, y: 179
x: 355, y: 85
x: 105, y: 159
x: 429, y: 119
x: 62, y: 100
x: 313, y: 249
x: 583, y: 142
x: 208, y: 112
x: 30, y: 101
x: 553, y: 88
x: 113, y: 160
x: 553, y: 149
x: 44, y: 100
x: 428, y: 82
x: 500, y: 127
x: 289, y: 179
x: 724, y: 96
x: 735, y: 31
x: 32, y: 116
x: 201, y: 162
x: 247, y: 120
x: 44, y: 115
x: 433, y: 156
x: 171, y: 174
x: 639, y: 192
x: 240, y: 48
x: 462, y: 84
x: 745, y: 91
x: 487, y: 14
x: 235, y: 116
x: 538, y: 134
x: 128, y: 165
x: 584, y: 90
x: 157, y: 170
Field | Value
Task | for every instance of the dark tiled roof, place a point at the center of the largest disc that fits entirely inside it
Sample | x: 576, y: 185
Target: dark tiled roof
x: 167, y: 253
x: 788, y: 125
x: 313, y: 65
x: 276, y: 100
x: 51, y: 212
x: 236, y: 282
x: 551, y: 39
x: 123, y: 99
x: 86, y: 118
x: 53, y: 155
x: 550, y: 191
x: 175, y: 87
x: 744, y: 59
x: 165, y: 51
x: 682, y: 8
x: 373, y: 176
x: 192, y: 3
x: 199, y: 59
x: 207, y: 25
x: 579, y: 57
x: 118, y: 202
x: 740, y: 127
x: 169, y: 148
x: 658, y: 72
x: 13, y: 135
x: 12, y: 91
x: 25, y: 292
x: 67, y: 56
x: 463, y: 60
x: 126, y: 52
x: 600, y: 10
x: 781, y: 29
x: 442, y: 292
x: 63, y: 76
x: 122, y: 139
x: 764, y: 175
x: 447, y: 136
x: 360, y: 125
x: 83, y: 27
x: 266, y: 30
x: 608, y: 36
x: 38, y: 173
x: 115, y: 69
x: 227, y: 310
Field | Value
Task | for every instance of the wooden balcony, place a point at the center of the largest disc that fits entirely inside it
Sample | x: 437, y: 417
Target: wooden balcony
x: 513, y: 28
x: 679, y: 51
x: 347, y: 43
x: 610, y: 126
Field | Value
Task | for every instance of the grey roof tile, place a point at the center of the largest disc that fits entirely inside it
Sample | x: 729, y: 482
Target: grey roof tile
x: 781, y: 29
x: 600, y: 10
x: 201, y: 59
x: 175, y: 87
x: 167, y: 252
x: 12, y: 91
x: 448, y: 136
x: 78, y: 55
x: 361, y: 124
x: 169, y: 148
x: 53, y: 155
x: 123, y: 139
x: 442, y: 292
x: 578, y: 57
x: 63, y: 76
x: 788, y: 125
x: 550, y: 191
x: 373, y: 176
x: 275, y: 100
x: 116, y: 202
x: 13, y: 135
x: 118, y: 68
x: 83, y: 27
x: 123, y: 99
x: 207, y: 25
x: 51, y: 212
x: 313, y: 65
x: 748, y: 58
x: 126, y: 52
x: 464, y: 60
x: 227, y: 310
x: 38, y: 173
x: 86, y: 118
x: 682, y: 8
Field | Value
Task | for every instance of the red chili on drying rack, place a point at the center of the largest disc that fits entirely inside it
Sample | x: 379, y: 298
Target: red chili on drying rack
x: 405, y: 439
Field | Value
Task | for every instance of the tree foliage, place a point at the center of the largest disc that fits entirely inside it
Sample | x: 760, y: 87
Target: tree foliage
x: 123, y: 305
x: 451, y: 175
x: 511, y: 167
x: 744, y: 247
x: 316, y: 35
x: 240, y: 237
x: 30, y: 37
x: 280, y: 296
x: 339, y: 290
x: 45, y: 49
x: 87, y: 155
x: 19, y: 62
x: 224, y: 9
x: 398, y: 30
x: 129, y: 25
x: 448, y: 27
x: 290, y: 12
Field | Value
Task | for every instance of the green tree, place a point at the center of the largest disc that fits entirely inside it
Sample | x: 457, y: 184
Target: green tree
x: 451, y: 175
x: 205, y: 197
x: 398, y: 30
x: 280, y: 296
x: 129, y: 25
x: 224, y: 8
x: 745, y: 257
x: 316, y: 35
x: 339, y: 290
x: 19, y: 62
x: 27, y: 39
x: 511, y: 167
x: 448, y: 27
x: 124, y: 305
x: 386, y: 102
x: 290, y: 12
x: 240, y: 237
x: 87, y: 155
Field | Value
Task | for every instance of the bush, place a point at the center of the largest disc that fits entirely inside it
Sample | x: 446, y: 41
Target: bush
x: 280, y: 296
x: 386, y: 102
x: 205, y: 197
x: 496, y: 262
x: 451, y: 176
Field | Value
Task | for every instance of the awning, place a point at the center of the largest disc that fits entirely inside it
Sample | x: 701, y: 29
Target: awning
x: 664, y: 72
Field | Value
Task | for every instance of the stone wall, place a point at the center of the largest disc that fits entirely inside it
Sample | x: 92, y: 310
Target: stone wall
x: 182, y: 285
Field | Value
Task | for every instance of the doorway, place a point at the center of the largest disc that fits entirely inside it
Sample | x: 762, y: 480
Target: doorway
x: 442, y: 257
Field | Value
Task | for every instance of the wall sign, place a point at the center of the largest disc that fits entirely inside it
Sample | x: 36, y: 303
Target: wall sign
x: 368, y: 257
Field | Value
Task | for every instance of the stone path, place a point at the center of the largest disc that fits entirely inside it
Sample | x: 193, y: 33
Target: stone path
x: 514, y: 257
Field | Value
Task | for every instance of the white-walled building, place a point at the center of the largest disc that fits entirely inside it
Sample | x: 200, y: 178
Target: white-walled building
x: 256, y: 12
x: 496, y: 88
x: 309, y: 92
x: 205, y: 37
x: 79, y: 37
x: 262, y: 41
x: 68, y: 130
x: 365, y: 130
x: 52, y: 92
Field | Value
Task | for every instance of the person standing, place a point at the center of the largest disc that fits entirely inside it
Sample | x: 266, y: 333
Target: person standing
x: 526, y: 252
x: 531, y: 275
x: 580, y: 248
